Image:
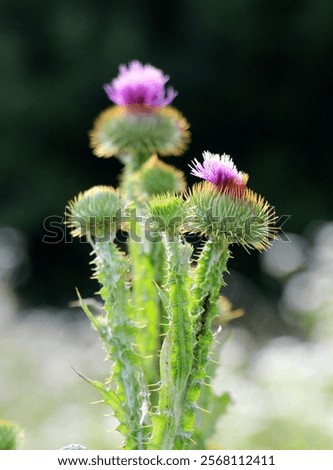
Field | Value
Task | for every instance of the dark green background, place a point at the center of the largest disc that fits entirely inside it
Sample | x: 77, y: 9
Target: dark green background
x: 254, y: 80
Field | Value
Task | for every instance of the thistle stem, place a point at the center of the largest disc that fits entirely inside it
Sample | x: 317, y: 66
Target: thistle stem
x: 176, y: 354
x: 146, y: 304
x: 208, y: 278
x: 117, y: 333
x: 147, y: 259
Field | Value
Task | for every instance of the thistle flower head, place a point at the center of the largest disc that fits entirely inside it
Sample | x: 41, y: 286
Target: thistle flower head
x: 247, y: 220
x: 139, y: 84
x: 221, y: 171
x: 96, y: 212
x: 118, y: 132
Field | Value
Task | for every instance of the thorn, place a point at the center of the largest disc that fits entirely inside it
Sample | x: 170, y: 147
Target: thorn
x: 155, y: 384
x: 214, y: 362
x: 207, y: 384
x: 203, y: 410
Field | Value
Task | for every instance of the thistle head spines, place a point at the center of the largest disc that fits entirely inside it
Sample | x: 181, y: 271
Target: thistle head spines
x: 165, y: 212
x: 96, y: 212
x: 137, y: 130
x: 244, y: 218
x: 102, y: 145
x: 157, y: 177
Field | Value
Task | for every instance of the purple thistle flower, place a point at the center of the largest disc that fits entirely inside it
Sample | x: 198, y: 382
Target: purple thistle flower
x: 221, y: 171
x: 140, y: 84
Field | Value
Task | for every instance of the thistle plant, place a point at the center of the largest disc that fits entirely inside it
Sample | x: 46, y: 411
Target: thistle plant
x: 161, y: 298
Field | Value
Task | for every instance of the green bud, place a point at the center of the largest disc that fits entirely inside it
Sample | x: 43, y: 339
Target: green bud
x: 166, y: 212
x: 96, y: 212
x: 157, y: 177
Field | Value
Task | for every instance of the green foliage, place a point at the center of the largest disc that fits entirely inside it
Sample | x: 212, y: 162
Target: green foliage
x: 9, y: 435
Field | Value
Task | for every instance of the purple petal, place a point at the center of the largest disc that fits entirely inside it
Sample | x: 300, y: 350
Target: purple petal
x: 220, y: 171
x: 140, y: 84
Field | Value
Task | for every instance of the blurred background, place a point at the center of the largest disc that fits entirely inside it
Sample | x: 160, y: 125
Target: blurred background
x: 255, y: 81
